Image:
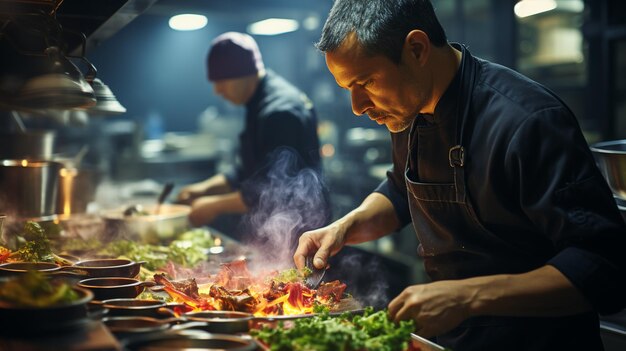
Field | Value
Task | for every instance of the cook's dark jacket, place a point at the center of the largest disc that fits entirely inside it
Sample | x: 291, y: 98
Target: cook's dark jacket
x: 533, y: 183
x: 279, y: 117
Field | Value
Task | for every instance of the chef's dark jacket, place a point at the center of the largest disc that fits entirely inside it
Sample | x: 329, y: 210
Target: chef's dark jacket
x: 500, y: 180
x: 281, y: 125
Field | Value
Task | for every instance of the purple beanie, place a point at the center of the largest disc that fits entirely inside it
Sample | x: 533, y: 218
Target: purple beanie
x: 233, y: 55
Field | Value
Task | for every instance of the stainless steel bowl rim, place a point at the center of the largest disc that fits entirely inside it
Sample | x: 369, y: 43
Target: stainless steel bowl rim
x: 601, y: 147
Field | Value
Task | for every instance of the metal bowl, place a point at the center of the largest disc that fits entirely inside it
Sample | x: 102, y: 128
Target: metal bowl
x: 611, y: 159
x: 150, y: 227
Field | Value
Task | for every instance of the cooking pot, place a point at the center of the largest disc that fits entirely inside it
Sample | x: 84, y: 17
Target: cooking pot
x: 77, y: 189
x: 148, y: 226
x: 31, y: 145
x: 28, y: 189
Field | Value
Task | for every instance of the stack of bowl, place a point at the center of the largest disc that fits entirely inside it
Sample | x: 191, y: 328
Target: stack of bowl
x: 611, y: 159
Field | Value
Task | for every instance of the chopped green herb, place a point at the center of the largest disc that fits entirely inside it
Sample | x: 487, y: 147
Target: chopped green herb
x: 370, y: 331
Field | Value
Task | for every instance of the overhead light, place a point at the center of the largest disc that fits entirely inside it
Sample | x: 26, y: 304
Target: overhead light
x: 525, y: 8
x: 273, y: 26
x: 187, y: 21
x: 106, y: 103
x: 61, y: 87
x: 311, y: 22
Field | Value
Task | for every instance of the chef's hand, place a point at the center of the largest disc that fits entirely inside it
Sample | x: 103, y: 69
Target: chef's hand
x: 322, y: 243
x: 204, y: 210
x: 216, y: 185
x: 191, y: 192
x: 435, y: 307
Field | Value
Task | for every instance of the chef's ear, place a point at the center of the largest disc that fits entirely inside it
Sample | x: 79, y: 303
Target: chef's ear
x: 417, y: 45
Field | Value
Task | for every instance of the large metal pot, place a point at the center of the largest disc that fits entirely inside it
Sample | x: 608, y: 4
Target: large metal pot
x: 611, y: 159
x: 77, y: 188
x: 28, y: 189
x: 148, y: 226
x: 32, y: 145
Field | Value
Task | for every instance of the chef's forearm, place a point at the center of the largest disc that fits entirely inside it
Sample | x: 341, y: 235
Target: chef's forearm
x: 232, y: 203
x: 217, y: 184
x: 541, y: 292
x: 374, y: 218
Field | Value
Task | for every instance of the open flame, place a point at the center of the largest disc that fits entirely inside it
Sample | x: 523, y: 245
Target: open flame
x: 235, y: 289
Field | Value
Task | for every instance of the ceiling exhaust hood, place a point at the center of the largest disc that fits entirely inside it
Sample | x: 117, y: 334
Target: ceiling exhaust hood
x: 38, y: 39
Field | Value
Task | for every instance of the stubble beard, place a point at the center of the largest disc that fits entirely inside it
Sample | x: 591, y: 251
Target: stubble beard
x: 399, y: 126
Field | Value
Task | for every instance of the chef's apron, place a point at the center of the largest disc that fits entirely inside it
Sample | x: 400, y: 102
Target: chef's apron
x: 455, y: 245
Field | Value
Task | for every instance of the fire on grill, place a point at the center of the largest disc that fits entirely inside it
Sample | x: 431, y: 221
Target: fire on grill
x: 235, y: 289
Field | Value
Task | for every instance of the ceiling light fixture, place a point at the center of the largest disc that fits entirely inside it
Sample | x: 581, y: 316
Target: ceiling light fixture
x: 187, y: 22
x: 273, y: 26
x: 106, y: 102
x: 525, y: 8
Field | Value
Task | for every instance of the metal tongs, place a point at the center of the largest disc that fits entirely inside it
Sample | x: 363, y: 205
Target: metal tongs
x: 313, y: 280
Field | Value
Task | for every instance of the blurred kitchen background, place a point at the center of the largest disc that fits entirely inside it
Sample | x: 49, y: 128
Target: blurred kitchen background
x: 169, y: 126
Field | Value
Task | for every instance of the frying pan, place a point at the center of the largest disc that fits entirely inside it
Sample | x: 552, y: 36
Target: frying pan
x: 110, y: 267
x: 133, y: 307
x: 107, y: 288
x: 16, y: 268
x: 123, y: 327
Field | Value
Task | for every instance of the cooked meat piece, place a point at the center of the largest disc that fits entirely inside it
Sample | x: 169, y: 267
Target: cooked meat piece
x: 233, y: 300
x: 331, y: 290
x: 275, y: 291
x: 188, y: 286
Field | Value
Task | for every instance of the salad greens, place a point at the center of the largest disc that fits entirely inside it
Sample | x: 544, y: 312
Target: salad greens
x: 370, y: 331
x: 187, y: 250
x: 33, y: 289
x: 35, y: 246
x: 291, y: 275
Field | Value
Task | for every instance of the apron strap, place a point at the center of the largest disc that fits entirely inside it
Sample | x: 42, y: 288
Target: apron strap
x: 456, y: 154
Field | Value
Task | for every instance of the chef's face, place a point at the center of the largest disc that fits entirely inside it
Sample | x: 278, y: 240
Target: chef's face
x: 234, y: 90
x: 389, y: 93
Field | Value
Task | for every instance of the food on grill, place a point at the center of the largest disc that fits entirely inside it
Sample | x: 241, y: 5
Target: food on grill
x: 235, y: 289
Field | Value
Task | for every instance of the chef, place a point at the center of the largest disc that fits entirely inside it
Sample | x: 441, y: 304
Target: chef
x: 280, y: 126
x: 517, y: 228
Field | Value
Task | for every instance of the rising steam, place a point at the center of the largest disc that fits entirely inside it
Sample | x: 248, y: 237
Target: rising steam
x: 291, y: 200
